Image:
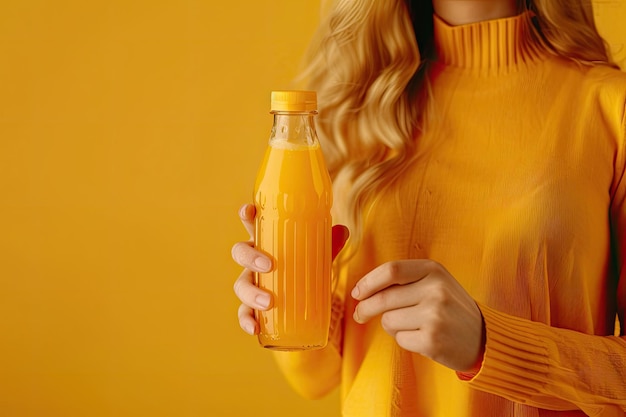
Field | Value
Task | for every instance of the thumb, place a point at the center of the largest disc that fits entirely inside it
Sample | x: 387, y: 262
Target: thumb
x: 340, y: 235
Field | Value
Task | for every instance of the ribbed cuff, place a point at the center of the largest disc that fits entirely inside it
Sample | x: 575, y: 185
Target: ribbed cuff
x: 515, y: 364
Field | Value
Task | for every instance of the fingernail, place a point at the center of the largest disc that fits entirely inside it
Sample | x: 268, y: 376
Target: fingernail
x: 355, y: 316
x: 242, y: 212
x: 263, y: 300
x: 355, y: 292
x: 263, y: 264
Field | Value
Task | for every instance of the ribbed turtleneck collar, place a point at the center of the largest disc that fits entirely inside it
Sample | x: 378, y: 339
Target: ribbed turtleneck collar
x: 488, y: 45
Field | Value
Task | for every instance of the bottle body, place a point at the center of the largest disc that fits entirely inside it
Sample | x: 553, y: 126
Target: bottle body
x: 293, y: 198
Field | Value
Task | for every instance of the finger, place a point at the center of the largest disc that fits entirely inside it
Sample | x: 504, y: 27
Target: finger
x: 419, y: 341
x: 402, y: 319
x: 246, y: 214
x: 246, y: 320
x: 247, y: 256
x: 340, y: 235
x: 387, y: 300
x: 249, y: 294
x: 434, y: 345
x: 392, y: 273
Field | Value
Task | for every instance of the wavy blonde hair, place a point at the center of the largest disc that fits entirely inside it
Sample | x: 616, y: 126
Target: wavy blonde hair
x: 368, y: 63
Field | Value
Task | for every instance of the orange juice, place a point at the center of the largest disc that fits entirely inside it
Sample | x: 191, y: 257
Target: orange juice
x: 293, y: 225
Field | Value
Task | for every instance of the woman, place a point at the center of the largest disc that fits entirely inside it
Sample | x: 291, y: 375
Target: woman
x: 478, y: 154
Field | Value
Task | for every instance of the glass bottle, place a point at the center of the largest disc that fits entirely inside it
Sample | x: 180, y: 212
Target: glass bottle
x: 293, y: 198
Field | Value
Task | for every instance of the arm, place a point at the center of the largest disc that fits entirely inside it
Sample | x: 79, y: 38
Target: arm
x: 311, y: 373
x: 428, y: 312
x: 547, y: 367
x: 557, y: 368
x: 315, y: 373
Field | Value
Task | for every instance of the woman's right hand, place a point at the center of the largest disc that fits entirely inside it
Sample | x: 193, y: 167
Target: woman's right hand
x: 252, y: 260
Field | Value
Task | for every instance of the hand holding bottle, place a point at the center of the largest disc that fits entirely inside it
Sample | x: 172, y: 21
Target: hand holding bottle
x: 252, y: 260
x: 292, y: 233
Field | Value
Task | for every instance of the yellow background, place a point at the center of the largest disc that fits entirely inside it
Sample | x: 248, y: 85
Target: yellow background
x: 130, y: 134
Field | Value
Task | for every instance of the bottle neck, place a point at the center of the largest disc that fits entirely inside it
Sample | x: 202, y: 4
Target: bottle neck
x: 296, y: 128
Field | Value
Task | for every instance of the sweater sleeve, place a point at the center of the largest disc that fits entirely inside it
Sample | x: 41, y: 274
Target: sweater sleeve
x: 559, y: 369
x: 315, y: 373
x: 546, y: 367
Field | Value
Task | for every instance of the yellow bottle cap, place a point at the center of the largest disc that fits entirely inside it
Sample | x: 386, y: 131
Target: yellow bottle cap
x: 304, y: 101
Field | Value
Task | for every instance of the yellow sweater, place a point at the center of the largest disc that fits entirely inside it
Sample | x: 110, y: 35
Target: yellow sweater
x: 519, y: 190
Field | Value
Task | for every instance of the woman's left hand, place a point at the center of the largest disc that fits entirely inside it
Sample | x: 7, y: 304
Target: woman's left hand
x: 425, y: 309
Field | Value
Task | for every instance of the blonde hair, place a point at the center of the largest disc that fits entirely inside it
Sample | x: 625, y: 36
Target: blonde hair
x: 368, y: 64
